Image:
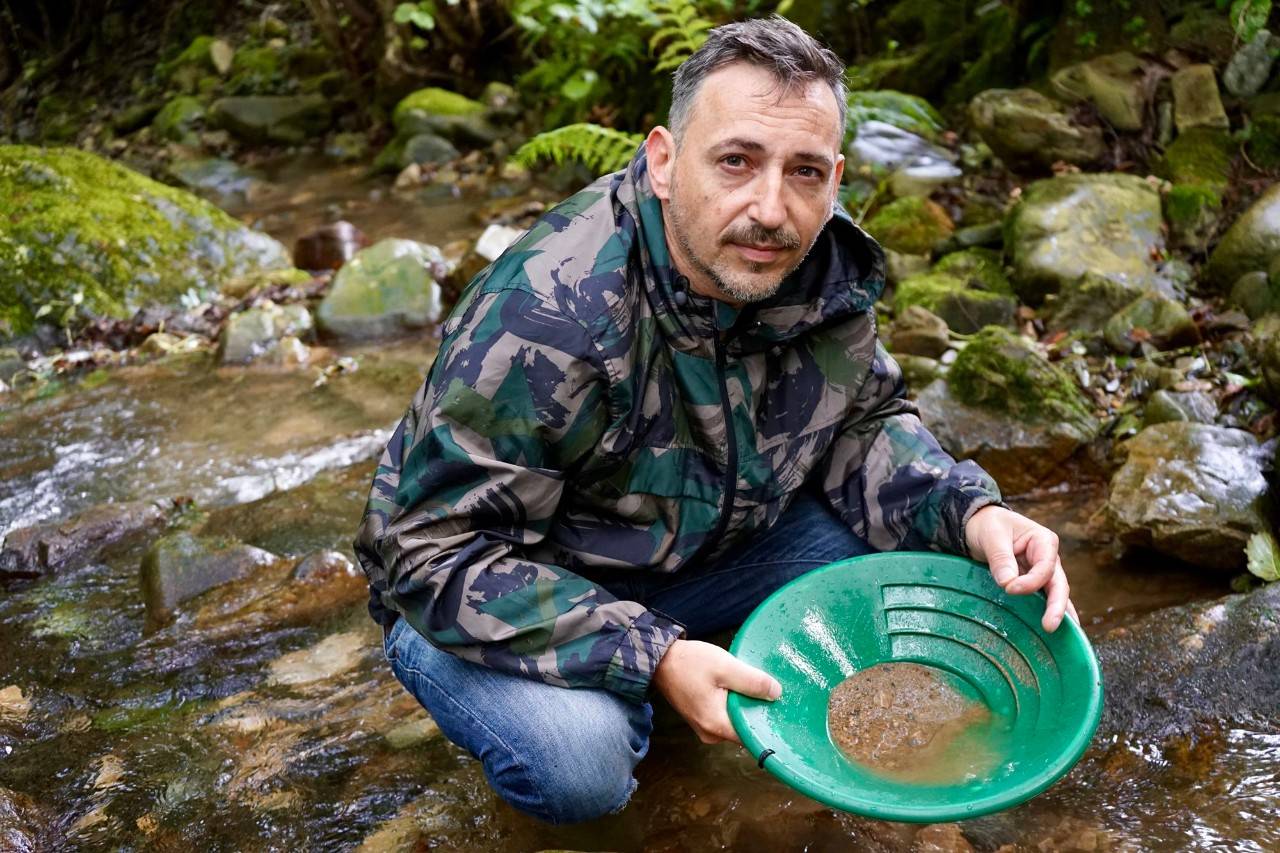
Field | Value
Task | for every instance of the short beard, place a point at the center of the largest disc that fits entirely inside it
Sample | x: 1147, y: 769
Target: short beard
x: 738, y: 290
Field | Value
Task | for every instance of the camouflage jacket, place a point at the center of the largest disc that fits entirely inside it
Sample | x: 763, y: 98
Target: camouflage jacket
x: 588, y: 413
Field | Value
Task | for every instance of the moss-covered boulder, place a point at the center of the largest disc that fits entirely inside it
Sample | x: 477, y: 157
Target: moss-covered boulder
x: 251, y: 334
x: 911, y: 226
x: 457, y: 118
x: 287, y: 119
x: 205, y: 55
x: 1064, y: 227
x: 1200, y: 156
x: 1088, y: 304
x: 1115, y: 83
x: 1152, y: 319
x: 1192, y: 491
x: 965, y: 308
x: 1031, y: 132
x: 1169, y: 406
x: 908, y: 112
x: 1196, y: 102
x: 76, y: 223
x: 1249, y: 244
x: 1264, y: 142
x: 1006, y: 407
x: 1256, y: 293
x: 178, y: 119
x: 388, y: 288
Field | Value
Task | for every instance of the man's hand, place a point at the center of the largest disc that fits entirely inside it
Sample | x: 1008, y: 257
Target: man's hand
x: 1023, y: 557
x: 696, y: 678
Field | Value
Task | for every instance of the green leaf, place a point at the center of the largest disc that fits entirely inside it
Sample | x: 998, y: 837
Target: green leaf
x: 403, y: 12
x: 43, y: 310
x: 1249, y: 16
x: 1264, y: 556
x: 580, y: 84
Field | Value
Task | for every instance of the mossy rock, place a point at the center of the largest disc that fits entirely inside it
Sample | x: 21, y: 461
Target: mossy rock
x: 1263, y: 146
x: 1256, y: 293
x: 178, y: 119
x: 1249, y: 244
x: 965, y: 309
x: 59, y: 118
x: 256, y: 71
x: 909, y: 112
x: 1001, y: 371
x: 1154, y: 319
x: 1200, y: 156
x: 203, y: 56
x: 1031, y: 132
x: 77, y: 223
x: 288, y: 119
x: 455, y: 117
x: 389, y: 288
x: 979, y: 268
x: 912, y: 226
x: 1193, y: 212
x: 434, y: 101
x: 1088, y: 305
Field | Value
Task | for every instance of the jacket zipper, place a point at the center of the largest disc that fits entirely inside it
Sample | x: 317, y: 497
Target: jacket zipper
x: 731, y: 470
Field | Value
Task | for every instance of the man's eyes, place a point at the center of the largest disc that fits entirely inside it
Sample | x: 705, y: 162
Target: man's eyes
x: 738, y: 161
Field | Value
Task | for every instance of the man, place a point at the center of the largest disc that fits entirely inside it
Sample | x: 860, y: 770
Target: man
x: 662, y: 403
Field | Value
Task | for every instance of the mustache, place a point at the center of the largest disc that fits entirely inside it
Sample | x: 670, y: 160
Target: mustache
x: 758, y: 235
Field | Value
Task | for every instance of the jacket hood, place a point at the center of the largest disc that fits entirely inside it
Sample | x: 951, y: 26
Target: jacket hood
x: 843, y: 275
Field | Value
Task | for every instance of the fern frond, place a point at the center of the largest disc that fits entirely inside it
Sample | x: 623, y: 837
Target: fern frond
x: 601, y: 149
x: 682, y: 31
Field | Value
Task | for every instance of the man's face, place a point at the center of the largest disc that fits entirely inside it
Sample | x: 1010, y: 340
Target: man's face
x: 751, y: 183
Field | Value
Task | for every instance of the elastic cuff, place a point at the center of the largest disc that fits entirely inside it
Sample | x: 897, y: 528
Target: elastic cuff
x: 641, y: 648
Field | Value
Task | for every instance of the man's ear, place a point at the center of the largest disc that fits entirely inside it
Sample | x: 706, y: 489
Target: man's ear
x: 660, y: 150
x: 838, y: 175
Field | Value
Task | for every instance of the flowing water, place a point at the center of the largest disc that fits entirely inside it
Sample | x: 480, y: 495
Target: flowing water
x: 264, y: 717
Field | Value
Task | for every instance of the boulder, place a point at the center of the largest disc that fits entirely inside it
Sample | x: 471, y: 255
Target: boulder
x: 1066, y: 226
x: 77, y: 223
x: 1196, y: 102
x: 427, y: 148
x: 965, y: 308
x: 65, y: 544
x: 918, y: 331
x: 1249, y: 68
x: 181, y: 566
x: 1249, y: 244
x: 1266, y: 338
x: 222, y: 181
x: 1116, y: 83
x: 1029, y: 131
x: 1191, y: 491
x: 287, y: 119
x: 898, y: 109
x: 1256, y: 293
x: 1088, y: 304
x: 1152, y: 319
x: 911, y: 226
x: 495, y: 240
x: 388, y: 288
x: 1198, y: 163
x: 458, y: 119
x: 254, y: 333
x: 1169, y: 406
x: 178, y: 119
x: 916, y: 165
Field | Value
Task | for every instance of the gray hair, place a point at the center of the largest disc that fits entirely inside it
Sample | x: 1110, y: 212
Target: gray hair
x: 773, y: 43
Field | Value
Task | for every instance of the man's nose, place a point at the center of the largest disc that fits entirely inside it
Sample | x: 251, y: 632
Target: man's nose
x: 767, y: 205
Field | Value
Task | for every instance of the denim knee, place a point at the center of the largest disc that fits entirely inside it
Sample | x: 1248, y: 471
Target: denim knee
x: 561, y: 755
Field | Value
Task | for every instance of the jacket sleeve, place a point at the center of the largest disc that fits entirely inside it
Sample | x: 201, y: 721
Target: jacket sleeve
x: 886, y: 476
x: 472, y: 477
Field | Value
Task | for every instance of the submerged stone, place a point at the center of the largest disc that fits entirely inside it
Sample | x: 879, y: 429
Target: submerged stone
x: 327, y: 659
x: 183, y: 565
x: 76, y: 223
x: 67, y: 543
x: 1192, y: 491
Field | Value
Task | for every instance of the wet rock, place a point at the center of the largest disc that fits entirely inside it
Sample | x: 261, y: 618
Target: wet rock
x: 1196, y: 102
x: 14, y: 704
x: 917, y: 166
x: 918, y: 331
x: 1249, y: 244
x: 917, y: 370
x: 348, y: 147
x: 329, y: 658
x: 1168, y: 406
x: 79, y: 223
x: 251, y: 334
x: 1192, y: 491
x: 911, y: 226
x: 24, y: 828
x: 1116, y: 84
x: 1151, y: 319
x: 388, y: 288
x: 1256, y: 293
x: 963, y: 307
x: 1088, y: 305
x: 413, y: 733
x: 1249, y: 68
x: 1064, y: 227
x: 287, y: 119
x: 896, y: 109
x: 318, y: 565
x: 68, y: 543
x: 1184, y: 667
x: 329, y: 246
x: 900, y: 266
x: 224, y: 181
x: 181, y: 566
x: 941, y: 838
x: 1027, y: 130
x: 427, y: 149
x: 288, y: 353
x: 495, y: 240
x: 1266, y: 337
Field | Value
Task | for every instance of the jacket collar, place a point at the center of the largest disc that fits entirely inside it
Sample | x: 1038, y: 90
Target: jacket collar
x: 842, y: 276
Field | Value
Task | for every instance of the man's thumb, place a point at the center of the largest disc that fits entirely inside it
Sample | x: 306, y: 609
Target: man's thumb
x: 749, y: 681
x: 1004, y: 568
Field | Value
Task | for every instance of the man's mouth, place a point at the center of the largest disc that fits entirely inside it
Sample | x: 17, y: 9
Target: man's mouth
x: 759, y: 253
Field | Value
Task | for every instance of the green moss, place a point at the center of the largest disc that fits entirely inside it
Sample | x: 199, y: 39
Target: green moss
x: 978, y: 268
x: 177, y: 119
x: 1001, y: 371
x: 196, y: 54
x: 435, y: 101
x: 965, y: 308
x: 927, y: 290
x: 75, y: 222
x: 1201, y: 155
x: 908, y: 112
x: 912, y: 226
x: 1193, y: 212
x: 1264, y: 142
x: 59, y: 118
x: 255, y: 71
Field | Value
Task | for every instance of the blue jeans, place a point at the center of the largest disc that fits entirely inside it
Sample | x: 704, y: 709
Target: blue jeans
x: 566, y: 755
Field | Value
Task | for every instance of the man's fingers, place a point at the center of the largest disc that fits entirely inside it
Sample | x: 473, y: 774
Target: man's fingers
x: 1071, y: 611
x: 1043, y: 549
x: 1059, y: 592
x: 749, y: 681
